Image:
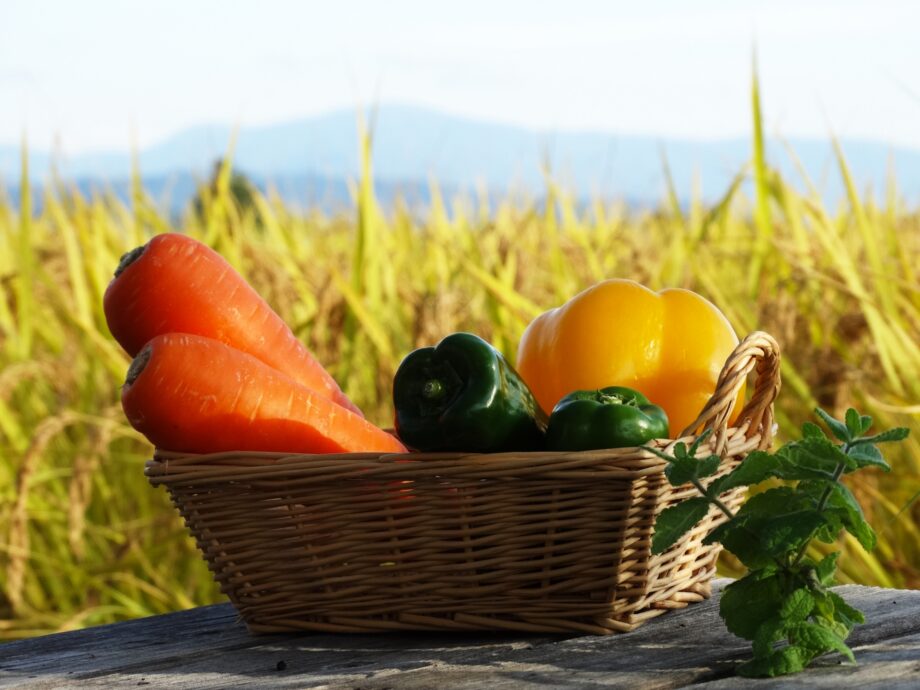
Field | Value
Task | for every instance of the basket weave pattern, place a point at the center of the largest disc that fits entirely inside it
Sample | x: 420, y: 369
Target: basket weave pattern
x: 542, y: 542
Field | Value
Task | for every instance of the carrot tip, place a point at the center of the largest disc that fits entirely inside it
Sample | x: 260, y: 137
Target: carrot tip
x: 138, y: 364
x: 129, y: 258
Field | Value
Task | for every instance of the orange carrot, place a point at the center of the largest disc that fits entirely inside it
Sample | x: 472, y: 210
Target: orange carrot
x: 193, y: 394
x: 176, y: 284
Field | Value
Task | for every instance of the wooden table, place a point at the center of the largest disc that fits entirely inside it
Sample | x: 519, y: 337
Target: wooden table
x: 209, y: 647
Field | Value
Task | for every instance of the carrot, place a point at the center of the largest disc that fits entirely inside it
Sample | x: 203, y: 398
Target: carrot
x: 176, y: 284
x: 189, y: 393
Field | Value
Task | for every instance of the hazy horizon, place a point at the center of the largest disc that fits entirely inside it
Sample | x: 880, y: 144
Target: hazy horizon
x: 366, y: 111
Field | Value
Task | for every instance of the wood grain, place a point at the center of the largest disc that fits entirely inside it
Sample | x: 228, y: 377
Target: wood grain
x: 209, y: 647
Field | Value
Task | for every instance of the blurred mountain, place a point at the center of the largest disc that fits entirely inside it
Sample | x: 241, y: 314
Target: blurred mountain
x: 311, y: 160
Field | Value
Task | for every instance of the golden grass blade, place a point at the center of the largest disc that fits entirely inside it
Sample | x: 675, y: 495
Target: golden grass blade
x: 763, y: 221
x: 25, y: 302
x: 369, y: 324
x: 870, y: 240
x: 521, y: 306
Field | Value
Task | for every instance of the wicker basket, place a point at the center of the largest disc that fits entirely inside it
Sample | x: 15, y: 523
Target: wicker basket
x: 541, y: 542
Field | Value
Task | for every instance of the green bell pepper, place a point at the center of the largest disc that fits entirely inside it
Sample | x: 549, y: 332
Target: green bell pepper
x: 462, y: 395
x: 612, y: 417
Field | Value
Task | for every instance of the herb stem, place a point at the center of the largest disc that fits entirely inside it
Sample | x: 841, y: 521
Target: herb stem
x: 713, y: 499
x: 822, y: 502
x: 727, y: 511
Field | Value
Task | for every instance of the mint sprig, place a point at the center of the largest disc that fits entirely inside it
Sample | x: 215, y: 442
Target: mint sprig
x: 784, y: 604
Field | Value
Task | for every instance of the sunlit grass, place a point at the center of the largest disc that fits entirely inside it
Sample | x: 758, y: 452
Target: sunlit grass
x: 86, y: 540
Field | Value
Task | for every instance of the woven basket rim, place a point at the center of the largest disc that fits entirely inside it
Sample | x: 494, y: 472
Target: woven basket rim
x: 616, y: 463
x: 600, y: 455
x: 753, y: 429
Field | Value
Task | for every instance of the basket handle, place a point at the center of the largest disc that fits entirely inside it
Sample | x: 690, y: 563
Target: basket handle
x: 758, y: 351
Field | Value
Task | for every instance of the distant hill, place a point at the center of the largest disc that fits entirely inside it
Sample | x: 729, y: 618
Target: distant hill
x: 174, y: 193
x: 310, y: 160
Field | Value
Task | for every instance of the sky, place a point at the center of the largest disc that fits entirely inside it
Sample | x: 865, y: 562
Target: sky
x: 104, y: 75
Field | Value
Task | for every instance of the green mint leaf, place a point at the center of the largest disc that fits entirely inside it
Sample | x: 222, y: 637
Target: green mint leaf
x: 824, y: 451
x: 855, y: 522
x: 676, y: 521
x: 832, y: 608
x: 812, y: 430
x: 742, y: 540
x: 845, y: 613
x: 839, y: 629
x: 780, y: 535
x: 854, y: 423
x: 683, y: 466
x: 818, y: 639
x: 837, y: 428
x: 868, y: 455
x: 770, y: 631
x: 842, y: 510
x: 681, y: 470
x: 748, y: 603
x: 864, y: 534
x: 755, y: 468
x: 827, y: 567
x: 695, y: 446
x: 865, y: 423
x: 830, y: 530
x: 797, y: 606
x: 899, y: 433
x: 791, y: 659
x: 774, y: 502
x: 708, y: 466
x: 769, y: 526
x: 812, y: 458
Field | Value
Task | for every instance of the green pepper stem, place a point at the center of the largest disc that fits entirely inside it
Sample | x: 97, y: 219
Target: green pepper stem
x: 614, y: 399
x: 433, y: 389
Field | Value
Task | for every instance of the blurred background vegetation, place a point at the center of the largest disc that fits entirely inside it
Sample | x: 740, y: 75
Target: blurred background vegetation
x: 85, y: 540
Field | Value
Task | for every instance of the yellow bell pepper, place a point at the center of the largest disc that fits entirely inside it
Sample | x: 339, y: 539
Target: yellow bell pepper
x: 669, y: 345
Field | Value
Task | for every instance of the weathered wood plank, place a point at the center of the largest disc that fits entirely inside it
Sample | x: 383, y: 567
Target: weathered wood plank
x: 174, y: 635
x: 294, y: 661
x: 211, y: 640
x: 693, y: 647
x: 207, y: 647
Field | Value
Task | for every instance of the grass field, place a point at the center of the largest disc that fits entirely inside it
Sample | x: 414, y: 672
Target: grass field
x: 85, y: 540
